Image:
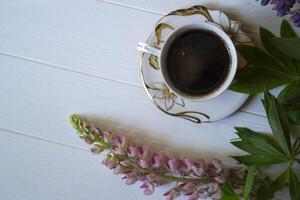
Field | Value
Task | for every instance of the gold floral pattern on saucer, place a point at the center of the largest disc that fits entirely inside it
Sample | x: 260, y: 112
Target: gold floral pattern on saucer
x: 164, y: 99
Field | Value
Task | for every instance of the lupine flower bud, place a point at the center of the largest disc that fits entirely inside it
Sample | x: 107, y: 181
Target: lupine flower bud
x: 148, y: 188
x: 172, y: 194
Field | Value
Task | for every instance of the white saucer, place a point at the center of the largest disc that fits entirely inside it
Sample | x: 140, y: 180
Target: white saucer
x: 196, y: 111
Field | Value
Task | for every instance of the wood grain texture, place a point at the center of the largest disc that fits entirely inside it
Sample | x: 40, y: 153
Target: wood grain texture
x: 38, y: 100
x: 35, y: 170
x: 62, y: 57
x: 95, y: 37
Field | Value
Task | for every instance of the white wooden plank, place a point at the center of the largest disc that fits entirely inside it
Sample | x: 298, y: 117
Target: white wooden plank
x: 249, y: 12
x: 87, y: 36
x: 33, y: 170
x: 91, y: 37
x: 37, y: 100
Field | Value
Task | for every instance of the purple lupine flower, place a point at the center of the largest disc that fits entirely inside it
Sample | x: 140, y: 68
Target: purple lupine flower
x: 265, y: 2
x: 282, y: 6
x: 295, y: 18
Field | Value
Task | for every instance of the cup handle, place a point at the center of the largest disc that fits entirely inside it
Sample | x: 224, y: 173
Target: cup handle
x: 146, y: 48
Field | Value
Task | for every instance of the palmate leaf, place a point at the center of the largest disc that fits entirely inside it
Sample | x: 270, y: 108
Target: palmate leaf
x: 278, y: 121
x: 266, y: 192
x: 290, y: 94
x: 259, y: 160
x: 258, y: 144
x: 253, y: 80
x: 290, y: 97
x: 286, y: 30
x: 289, y: 46
x: 255, y: 56
x: 294, y: 116
x: 294, y: 185
x: 265, y: 36
x: 263, y: 149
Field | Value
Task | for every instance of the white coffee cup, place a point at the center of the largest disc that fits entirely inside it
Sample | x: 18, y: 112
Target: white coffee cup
x: 162, y: 55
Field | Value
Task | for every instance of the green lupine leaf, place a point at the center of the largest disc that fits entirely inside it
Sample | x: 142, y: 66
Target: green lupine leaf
x: 286, y: 30
x: 264, y: 143
x: 278, y: 121
x: 265, y: 37
x: 290, y: 94
x: 267, y: 193
x: 253, y: 80
x: 259, y: 160
x: 228, y: 192
x: 289, y: 46
x: 294, y: 185
x: 249, y: 181
x: 294, y: 116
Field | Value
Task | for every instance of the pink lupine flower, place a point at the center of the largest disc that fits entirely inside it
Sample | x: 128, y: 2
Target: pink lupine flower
x: 157, y: 162
x: 152, y: 177
x: 194, y: 196
x: 188, y: 187
x: 148, y: 188
x: 109, y: 162
x: 217, y: 195
x: 220, y: 179
x: 125, y: 163
x: 173, y: 164
x: 139, y: 163
x: 119, y: 145
x: 107, y: 136
x: 213, y: 187
x: 188, y: 163
x: 132, y: 151
x: 131, y: 178
x: 172, y: 194
x: 144, y: 163
x: 89, y: 139
x: 96, y: 149
x: 217, y: 164
x: 121, y: 170
x: 145, y: 152
x: 203, y: 194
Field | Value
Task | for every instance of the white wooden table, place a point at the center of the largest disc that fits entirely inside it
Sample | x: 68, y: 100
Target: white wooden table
x: 61, y: 57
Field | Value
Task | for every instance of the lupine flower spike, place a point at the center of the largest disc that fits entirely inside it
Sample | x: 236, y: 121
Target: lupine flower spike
x: 285, y: 7
x: 139, y: 164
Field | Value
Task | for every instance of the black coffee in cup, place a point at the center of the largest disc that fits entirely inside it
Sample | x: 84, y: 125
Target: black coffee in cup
x: 197, y: 62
